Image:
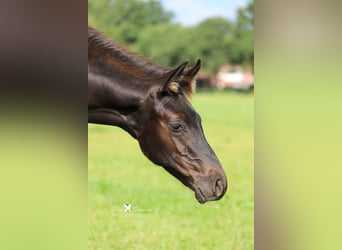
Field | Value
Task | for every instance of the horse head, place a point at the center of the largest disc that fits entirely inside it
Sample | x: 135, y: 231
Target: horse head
x: 170, y: 134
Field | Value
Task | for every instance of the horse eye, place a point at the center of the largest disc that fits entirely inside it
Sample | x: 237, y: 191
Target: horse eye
x: 175, y: 126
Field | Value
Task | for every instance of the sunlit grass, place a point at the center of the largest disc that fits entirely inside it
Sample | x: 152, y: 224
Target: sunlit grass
x: 170, y: 217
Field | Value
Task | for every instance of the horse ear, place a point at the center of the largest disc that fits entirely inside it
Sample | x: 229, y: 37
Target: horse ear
x: 192, y: 72
x: 171, y: 85
x: 188, y: 82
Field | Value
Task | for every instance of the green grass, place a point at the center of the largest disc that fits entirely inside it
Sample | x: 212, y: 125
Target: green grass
x: 165, y: 213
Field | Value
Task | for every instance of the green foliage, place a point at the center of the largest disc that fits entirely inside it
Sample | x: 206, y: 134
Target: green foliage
x: 123, y: 19
x: 210, y: 44
x: 145, y: 27
x: 242, y: 43
x: 118, y: 173
x: 165, y: 44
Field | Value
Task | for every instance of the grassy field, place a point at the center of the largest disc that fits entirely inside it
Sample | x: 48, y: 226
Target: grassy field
x: 165, y: 213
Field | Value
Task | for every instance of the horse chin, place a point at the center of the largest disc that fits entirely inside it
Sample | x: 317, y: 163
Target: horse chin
x: 199, y: 196
x: 189, y: 182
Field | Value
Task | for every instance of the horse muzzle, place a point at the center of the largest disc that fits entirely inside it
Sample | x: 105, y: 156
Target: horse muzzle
x: 210, y: 188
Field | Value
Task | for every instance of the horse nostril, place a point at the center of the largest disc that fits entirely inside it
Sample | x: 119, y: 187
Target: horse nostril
x: 219, y: 187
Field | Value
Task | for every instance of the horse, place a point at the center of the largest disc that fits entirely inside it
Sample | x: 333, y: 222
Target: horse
x: 151, y: 103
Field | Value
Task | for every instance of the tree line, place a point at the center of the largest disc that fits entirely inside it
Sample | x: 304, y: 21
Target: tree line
x: 147, y: 28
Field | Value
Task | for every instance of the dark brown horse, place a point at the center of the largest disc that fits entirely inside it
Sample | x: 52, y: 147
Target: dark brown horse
x: 151, y: 103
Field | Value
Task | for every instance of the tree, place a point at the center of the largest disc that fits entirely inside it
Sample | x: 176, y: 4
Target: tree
x: 167, y: 44
x: 241, y: 45
x: 209, y: 43
x: 123, y: 19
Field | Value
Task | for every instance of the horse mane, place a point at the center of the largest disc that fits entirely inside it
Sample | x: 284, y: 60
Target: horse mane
x: 108, y: 47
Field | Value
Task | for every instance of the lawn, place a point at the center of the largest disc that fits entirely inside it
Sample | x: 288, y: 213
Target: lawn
x: 165, y: 213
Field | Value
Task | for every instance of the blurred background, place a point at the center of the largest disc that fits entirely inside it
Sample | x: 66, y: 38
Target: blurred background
x: 220, y: 33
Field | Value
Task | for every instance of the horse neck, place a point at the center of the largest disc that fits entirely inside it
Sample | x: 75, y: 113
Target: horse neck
x: 117, y: 88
